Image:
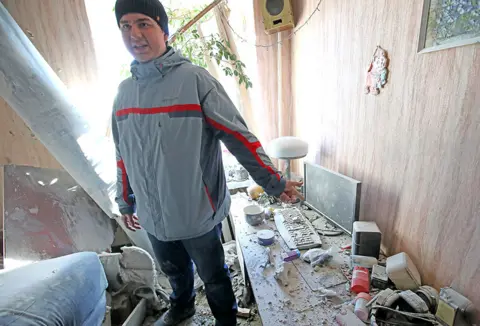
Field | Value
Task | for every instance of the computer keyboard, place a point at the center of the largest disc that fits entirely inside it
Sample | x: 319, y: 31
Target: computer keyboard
x: 296, y: 229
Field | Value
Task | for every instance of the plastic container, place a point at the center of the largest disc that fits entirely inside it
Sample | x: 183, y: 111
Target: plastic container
x: 291, y: 255
x: 402, y: 272
x: 361, y: 309
x: 266, y: 237
x: 360, y: 280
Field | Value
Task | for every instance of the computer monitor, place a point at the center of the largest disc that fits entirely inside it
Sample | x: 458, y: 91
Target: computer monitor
x: 333, y: 195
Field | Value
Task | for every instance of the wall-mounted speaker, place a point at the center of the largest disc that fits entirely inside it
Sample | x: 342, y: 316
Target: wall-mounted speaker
x: 277, y: 15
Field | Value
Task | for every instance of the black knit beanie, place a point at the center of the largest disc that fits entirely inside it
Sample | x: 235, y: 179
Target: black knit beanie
x: 151, y: 8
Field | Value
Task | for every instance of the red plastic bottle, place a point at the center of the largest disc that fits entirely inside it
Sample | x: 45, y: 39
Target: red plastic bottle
x: 360, y: 280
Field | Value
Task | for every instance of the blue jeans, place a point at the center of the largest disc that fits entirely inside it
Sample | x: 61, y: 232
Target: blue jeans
x: 176, y: 260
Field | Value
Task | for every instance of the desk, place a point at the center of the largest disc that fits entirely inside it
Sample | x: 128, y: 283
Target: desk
x: 300, y: 302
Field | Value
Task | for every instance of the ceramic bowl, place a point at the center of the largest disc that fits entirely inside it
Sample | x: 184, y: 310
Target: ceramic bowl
x: 254, y: 214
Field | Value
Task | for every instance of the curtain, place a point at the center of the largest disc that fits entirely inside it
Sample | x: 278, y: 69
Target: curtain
x: 268, y: 106
x: 222, y: 13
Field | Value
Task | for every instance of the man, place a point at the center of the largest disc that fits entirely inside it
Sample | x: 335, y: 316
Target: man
x: 168, y: 120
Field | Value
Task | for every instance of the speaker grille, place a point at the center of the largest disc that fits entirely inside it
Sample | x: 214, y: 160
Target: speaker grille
x: 275, y: 7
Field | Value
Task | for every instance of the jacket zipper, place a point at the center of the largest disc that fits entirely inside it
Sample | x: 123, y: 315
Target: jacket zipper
x: 157, y: 214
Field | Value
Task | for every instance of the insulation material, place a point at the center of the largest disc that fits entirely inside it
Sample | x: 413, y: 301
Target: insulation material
x: 132, y: 272
x: 137, y: 266
x: 111, y: 265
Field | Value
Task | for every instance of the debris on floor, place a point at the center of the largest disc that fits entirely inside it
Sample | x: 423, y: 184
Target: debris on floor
x: 247, y: 313
x: 234, y: 171
x: 131, y: 276
x: 244, y: 312
x: 282, y: 275
x: 348, y: 318
x: 231, y: 259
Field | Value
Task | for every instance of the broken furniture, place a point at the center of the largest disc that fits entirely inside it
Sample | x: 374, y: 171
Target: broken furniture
x: 287, y: 148
x: 68, y: 290
x: 290, y: 293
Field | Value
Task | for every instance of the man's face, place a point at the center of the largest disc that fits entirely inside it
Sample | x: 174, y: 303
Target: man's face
x: 143, y: 37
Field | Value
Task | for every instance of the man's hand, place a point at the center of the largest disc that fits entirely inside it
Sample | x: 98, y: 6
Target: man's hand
x: 290, y: 194
x: 131, y: 222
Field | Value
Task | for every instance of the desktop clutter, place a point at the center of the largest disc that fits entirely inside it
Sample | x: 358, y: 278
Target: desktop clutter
x: 384, y: 290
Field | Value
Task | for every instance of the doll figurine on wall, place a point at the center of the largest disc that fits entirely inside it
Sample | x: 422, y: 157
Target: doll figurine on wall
x: 377, y: 72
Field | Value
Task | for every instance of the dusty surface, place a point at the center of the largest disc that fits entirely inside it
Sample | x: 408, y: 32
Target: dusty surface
x: 302, y: 301
x: 304, y: 296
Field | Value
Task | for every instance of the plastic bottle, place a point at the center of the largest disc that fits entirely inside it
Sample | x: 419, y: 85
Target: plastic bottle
x: 360, y: 280
x: 361, y: 309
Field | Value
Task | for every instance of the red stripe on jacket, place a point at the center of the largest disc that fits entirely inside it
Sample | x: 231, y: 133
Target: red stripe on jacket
x: 162, y: 109
x: 121, y: 166
x: 210, y: 198
x: 252, y: 147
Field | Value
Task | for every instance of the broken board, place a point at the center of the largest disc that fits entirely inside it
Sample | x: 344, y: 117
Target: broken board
x: 48, y: 215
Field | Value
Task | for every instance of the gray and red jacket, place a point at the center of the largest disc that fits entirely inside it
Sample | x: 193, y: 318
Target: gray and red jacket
x: 168, y: 121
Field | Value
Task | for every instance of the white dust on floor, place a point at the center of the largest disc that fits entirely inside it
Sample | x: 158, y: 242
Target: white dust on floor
x: 203, y: 316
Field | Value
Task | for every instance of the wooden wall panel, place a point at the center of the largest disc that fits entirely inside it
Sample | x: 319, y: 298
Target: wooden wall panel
x: 60, y: 31
x: 415, y: 146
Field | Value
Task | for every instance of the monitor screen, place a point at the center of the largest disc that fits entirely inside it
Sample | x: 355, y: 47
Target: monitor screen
x: 333, y: 195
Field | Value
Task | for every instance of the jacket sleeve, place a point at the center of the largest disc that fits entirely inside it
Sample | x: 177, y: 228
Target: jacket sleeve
x: 124, y: 196
x: 229, y: 126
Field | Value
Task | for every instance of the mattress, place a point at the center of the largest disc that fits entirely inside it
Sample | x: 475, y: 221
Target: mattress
x: 68, y: 290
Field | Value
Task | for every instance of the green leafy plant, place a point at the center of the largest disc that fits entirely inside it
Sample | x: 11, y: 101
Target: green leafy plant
x: 195, y: 47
